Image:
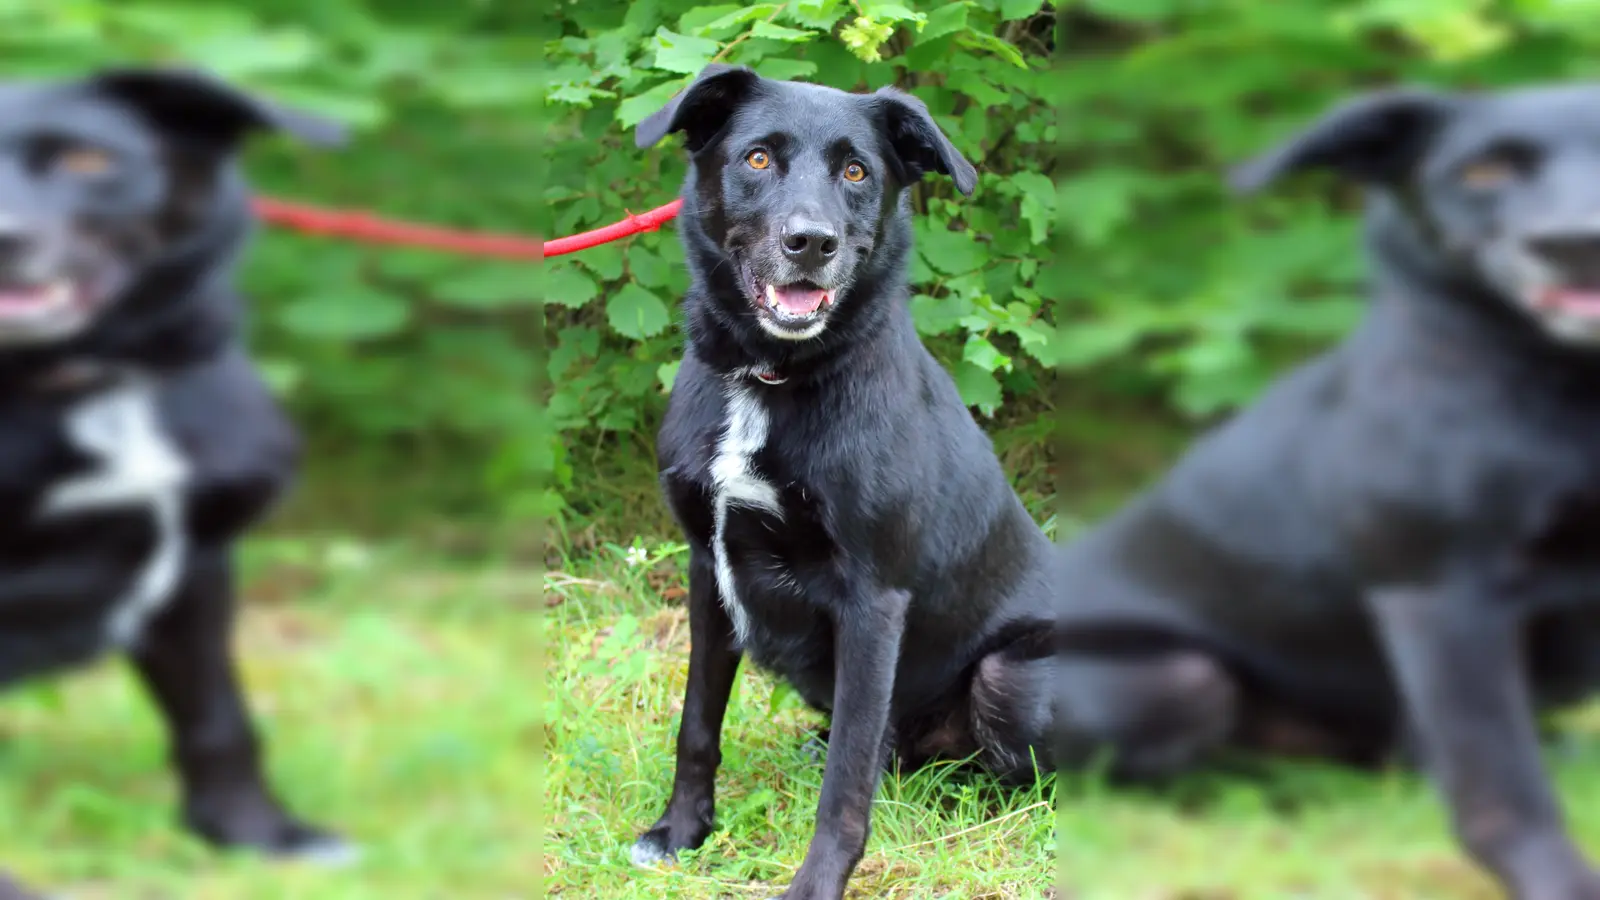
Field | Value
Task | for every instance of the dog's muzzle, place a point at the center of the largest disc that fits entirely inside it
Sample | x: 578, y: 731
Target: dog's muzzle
x: 42, y: 300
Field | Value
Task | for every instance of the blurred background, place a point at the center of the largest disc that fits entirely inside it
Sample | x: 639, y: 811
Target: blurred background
x: 481, y: 432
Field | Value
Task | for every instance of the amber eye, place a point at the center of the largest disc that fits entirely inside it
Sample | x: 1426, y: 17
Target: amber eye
x: 758, y: 159
x: 854, y: 172
x: 84, y: 161
x: 1488, y: 173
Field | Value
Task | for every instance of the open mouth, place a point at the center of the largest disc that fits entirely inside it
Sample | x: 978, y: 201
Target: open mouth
x: 21, y: 304
x: 794, y: 311
x: 1577, y: 302
x: 49, y: 311
x: 801, y: 300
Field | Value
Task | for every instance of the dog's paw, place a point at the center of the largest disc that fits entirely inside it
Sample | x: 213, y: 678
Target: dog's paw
x: 263, y: 828
x: 652, y: 849
x: 318, y: 848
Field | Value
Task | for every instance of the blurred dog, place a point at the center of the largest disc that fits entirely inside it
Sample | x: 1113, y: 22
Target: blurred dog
x: 136, y: 441
x: 849, y: 526
x: 1399, y: 545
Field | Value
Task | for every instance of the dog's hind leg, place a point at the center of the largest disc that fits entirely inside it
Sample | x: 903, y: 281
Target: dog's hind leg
x: 1009, y: 712
x: 1146, y: 716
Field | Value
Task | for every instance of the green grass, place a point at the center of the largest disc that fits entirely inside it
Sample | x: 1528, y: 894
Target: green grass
x: 403, y: 694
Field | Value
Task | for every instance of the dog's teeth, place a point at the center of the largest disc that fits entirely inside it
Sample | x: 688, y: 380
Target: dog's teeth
x: 772, y: 296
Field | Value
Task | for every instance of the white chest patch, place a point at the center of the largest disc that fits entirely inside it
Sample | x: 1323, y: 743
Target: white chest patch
x: 735, y: 483
x: 137, y: 466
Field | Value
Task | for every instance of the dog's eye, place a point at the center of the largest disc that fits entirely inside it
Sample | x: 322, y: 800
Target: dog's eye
x: 1486, y: 174
x: 84, y: 161
x: 758, y: 159
x: 854, y: 172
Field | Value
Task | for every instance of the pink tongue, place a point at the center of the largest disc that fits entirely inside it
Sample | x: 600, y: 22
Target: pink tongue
x: 1582, y: 302
x: 22, y: 300
x: 799, y: 300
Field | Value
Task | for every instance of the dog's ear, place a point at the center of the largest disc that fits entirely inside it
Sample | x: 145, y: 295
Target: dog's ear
x: 918, y: 142
x: 702, y: 109
x: 198, y: 106
x: 1375, y: 139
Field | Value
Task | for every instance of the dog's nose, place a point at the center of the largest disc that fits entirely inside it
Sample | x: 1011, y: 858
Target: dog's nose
x: 809, y: 243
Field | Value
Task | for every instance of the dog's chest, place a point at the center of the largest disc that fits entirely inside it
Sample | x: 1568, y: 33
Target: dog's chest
x: 766, y: 537
x: 105, y: 544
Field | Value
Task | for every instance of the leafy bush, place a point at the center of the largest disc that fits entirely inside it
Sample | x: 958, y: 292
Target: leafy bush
x: 1100, y: 239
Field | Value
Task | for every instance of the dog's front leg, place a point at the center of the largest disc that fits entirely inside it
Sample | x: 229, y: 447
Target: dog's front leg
x: 186, y: 663
x: 1458, y: 661
x: 713, y: 665
x: 866, y: 653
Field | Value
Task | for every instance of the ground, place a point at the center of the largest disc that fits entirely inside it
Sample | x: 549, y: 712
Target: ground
x: 402, y: 693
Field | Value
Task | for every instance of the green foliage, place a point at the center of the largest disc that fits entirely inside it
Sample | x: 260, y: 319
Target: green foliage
x: 1099, y: 240
x: 1168, y: 285
x: 981, y: 67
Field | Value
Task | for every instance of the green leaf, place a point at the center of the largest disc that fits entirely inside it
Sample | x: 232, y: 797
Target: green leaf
x: 243, y: 54
x: 773, y: 32
x: 978, y: 388
x: 604, y: 260
x: 949, y: 252
x: 820, y: 14
x: 1038, y: 204
x: 667, y: 374
x: 489, y: 285
x: 981, y: 353
x: 352, y: 313
x: 939, y: 315
x: 1097, y: 204
x: 567, y: 285
x: 703, y: 21
x: 637, y: 108
x: 890, y: 11
x: 982, y: 40
x: 1019, y: 9
x: 681, y: 53
x: 785, y: 69
x: 742, y: 16
x: 646, y: 268
x: 944, y: 20
x: 636, y: 313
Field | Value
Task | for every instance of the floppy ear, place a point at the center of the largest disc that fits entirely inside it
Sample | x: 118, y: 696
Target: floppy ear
x: 700, y: 110
x: 919, y: 143
x: 1375, y: 139
x: 191, y: 103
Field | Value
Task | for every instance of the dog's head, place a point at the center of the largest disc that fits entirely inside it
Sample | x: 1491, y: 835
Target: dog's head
x: 1498, y: 189
x: 795, y: 186
x: 106, y: 179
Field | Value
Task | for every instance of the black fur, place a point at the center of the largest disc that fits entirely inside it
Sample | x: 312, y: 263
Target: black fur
x: 121, y: 190
x: 1398, y: 546
x: 897, y: 581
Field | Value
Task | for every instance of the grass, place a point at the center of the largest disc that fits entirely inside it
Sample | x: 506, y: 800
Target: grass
x: 488, y: 730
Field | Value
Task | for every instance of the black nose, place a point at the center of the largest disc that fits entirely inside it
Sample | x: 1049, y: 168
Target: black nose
x: 809, y: 243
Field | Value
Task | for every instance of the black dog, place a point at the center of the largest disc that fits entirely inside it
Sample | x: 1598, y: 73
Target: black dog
x: 849, y: 525
x: 1399, y: 545
x: 136, y: 441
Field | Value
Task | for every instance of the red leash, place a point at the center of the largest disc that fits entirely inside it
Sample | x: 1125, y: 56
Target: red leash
x: 371, y: 229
